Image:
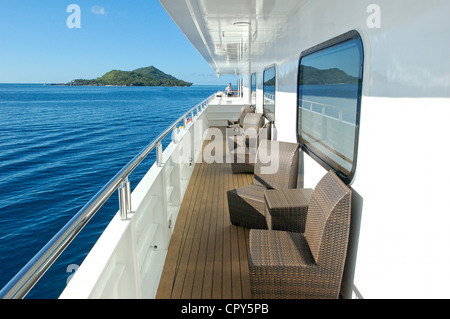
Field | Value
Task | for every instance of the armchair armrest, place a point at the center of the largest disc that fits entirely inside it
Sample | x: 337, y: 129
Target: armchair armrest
x: 286, y: 209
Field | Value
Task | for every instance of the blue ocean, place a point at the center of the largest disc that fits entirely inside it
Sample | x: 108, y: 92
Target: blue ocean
x: 58, y: 146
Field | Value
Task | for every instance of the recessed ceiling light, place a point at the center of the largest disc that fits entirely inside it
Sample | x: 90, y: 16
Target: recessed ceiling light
x: 241, y: 24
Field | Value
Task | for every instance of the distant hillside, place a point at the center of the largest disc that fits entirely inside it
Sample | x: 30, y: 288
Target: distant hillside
x: 149, y: 76
x: 311, y: 75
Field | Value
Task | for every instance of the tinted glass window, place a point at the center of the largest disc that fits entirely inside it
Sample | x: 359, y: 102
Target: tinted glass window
x: 253, y: 88
x: 269, y: 80
x: 330, y: 80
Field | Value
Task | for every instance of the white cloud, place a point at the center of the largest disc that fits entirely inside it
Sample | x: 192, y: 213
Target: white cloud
x: 98, y: 10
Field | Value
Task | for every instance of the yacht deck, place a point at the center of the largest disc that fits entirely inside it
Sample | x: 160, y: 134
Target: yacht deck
x: 207, y: 256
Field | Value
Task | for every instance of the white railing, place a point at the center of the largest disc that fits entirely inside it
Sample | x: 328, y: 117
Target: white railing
x: 310, y: 105
x: 269, y: 96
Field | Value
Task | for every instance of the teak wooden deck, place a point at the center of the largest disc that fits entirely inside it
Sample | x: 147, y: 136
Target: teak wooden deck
x: 207, y: 256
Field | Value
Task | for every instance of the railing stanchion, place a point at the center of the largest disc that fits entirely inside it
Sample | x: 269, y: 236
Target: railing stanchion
x: 159, y: 155
x: 175, y: 135
x: 124, y: 199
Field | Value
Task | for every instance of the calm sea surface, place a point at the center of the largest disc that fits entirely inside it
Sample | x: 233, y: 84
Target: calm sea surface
x: 58, y: 146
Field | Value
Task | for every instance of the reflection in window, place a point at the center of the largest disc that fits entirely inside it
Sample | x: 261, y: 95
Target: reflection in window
x: 330, y: 81
x: 253, y: 89
x: 269, y: 79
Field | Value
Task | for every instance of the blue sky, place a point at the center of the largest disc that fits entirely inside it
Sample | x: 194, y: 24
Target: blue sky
x: 36, y: 45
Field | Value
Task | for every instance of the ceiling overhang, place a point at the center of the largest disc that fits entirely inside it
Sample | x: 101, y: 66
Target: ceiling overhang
x: 229, y: 34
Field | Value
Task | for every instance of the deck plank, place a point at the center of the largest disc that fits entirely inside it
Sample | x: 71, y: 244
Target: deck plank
x: 207, y: 256
x: 226, y: 266
x: 219, y: 244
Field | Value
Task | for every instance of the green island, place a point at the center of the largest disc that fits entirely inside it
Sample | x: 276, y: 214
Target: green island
x: 147, y: 76
x: 316, y: 76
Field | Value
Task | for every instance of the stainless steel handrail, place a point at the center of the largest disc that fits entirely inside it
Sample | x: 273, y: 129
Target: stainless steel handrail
x: 19, y: 286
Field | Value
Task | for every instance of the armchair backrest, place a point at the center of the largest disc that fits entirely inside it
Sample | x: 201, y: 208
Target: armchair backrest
x: 244, y: 111
x: 265, y: 132
x: 276, y: 164
x: 328, y: 222
x: 253, y: 121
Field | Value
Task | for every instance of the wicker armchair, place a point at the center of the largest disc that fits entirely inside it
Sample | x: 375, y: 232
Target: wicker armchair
x: 244, y: 111
x: 243, y: 149
x: 248, y: 129
x: 247, y: 204
x: 305, y: 265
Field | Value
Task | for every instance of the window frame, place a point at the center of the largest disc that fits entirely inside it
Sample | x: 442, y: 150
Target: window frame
x: 321, y: 158
x: 274, y: 66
